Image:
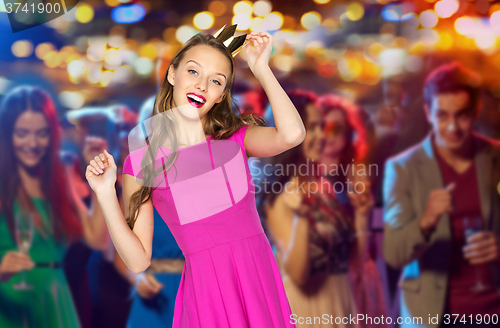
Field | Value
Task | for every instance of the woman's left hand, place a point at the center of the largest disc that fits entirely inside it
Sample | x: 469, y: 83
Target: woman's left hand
x: 263, y: 44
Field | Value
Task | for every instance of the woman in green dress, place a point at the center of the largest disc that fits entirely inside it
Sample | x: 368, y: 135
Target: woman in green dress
x: 33, y: 179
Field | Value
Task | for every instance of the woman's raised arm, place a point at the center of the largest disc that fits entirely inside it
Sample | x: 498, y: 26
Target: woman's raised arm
x: 134, y: 246
x: 289, y: 131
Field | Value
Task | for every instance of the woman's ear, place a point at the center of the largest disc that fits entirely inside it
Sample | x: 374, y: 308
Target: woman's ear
x: 221, y: 97
x: 171, y: 75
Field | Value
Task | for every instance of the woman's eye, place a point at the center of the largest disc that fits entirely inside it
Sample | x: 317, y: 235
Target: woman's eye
x: 217, y: 82
x: 21, y: 135
x: 192, y: 70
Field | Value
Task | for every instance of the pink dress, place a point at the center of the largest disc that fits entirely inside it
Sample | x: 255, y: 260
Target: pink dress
x: 230, y: 277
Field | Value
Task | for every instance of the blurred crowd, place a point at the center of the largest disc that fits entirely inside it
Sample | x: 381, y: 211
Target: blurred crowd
x: 397, y: 213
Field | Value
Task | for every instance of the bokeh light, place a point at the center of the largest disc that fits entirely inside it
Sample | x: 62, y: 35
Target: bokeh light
x: 22, y: 48
x: 495, y: 20
x: 326, y: 69
x: 428, y: 19
x: 243, y: 7
x: 43, y: 49
x: 243, y: 21
x: 310, y: 20
x: 184, y: 33
x: 84, y: 13
x: 128, y: 14
x: 392, y: 61
x: 52, y: 59
x: 76, y: 68
x: 273, y: 21
x: 217, y: 8
x: 262, y: 8
x: 123, y: 74
x: 112, y: 3
x: 355, y: 11
x: 105, y: 79
x: 112, y: 59
x: 398, y: 11
x: 322, y: 2
x: 446, y: 8
x: 257, y: 24
x: 465, y: 25
x: 203, y: 20
x: 72, y: 100
x: 349, y: 68
x: 284, y: 63
x: 143, y: 66
x: 485, y: 40
x: 148, y: 51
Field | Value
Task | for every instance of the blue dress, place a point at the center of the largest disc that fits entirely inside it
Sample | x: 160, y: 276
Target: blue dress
x: 159, y: 310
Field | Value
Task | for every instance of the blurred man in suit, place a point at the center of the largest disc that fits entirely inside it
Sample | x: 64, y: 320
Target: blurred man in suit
x: 442, y: 211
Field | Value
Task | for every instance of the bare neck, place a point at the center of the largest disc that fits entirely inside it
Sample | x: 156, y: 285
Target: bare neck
x: 460, y: 155
x: 30, y: 181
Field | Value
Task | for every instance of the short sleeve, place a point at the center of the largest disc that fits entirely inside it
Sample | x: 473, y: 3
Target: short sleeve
x: 127, y: 166
x: 240, y: 135
x: 132, y: 164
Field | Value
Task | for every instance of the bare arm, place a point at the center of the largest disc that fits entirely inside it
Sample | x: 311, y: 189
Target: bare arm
x: 362, y: 201
x: 134, y: 246
x: 294, y: 247
x: 289, y: 131
x: 123, y: 270
x: 95, y: 233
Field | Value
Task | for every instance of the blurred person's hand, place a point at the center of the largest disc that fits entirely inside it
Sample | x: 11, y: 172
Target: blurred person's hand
x: 93, y: 147
x: 362, y: 201
x: 361, y: 197
x: 438, y: 203
x: 13, y: 263
x: 147, y: 285
x: 292, y: 196
x: 101, y: 172
x: 482, y: 247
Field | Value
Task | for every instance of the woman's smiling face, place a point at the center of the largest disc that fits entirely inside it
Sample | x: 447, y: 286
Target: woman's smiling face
x: 31, y: 138
x: 200, y: 79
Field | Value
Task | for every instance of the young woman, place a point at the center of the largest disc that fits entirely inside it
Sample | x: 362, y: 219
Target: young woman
x: 230, y: 277
x: 33, y: 180
x: 346, y: 144
x: 154, y: 290
x: 312, y: 232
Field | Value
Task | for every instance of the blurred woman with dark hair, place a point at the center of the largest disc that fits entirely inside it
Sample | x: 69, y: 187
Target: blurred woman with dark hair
x: 33, y: 185
x: 346, y: 159
x: 315, y: 236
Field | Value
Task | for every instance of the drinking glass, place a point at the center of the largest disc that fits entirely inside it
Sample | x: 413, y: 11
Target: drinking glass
x: 24, y: 237
x: 473, y: 225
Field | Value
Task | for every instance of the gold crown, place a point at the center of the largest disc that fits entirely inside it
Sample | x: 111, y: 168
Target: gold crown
x: 233, y: 44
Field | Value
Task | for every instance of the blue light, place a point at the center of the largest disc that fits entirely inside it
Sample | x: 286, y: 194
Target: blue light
x: 128, y: 14
x: 397, y: 12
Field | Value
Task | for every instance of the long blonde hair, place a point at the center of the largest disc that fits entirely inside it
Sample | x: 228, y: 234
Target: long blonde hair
x: 221, y: 122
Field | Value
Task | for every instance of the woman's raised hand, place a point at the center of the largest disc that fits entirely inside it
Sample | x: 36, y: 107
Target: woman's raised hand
x: 101, y: 172
x: 259, y: 56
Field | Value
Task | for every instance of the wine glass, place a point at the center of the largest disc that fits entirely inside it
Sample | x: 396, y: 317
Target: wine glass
x: 472, y: 226
x: 24, y: 237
